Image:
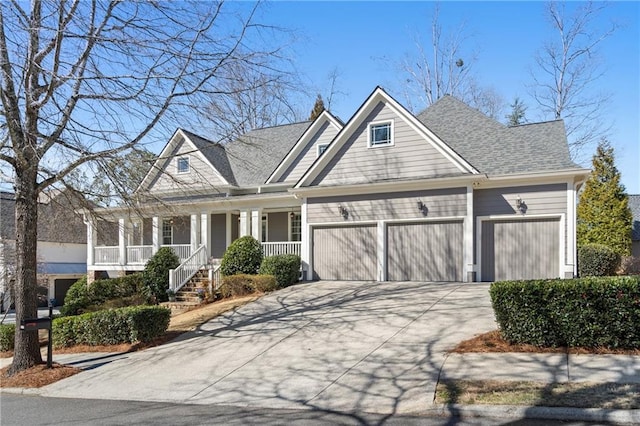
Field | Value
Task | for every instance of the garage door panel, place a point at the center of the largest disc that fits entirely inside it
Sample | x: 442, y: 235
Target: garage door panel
x: 520, y: 249
x: 425, y: 251
x: 345, y: 253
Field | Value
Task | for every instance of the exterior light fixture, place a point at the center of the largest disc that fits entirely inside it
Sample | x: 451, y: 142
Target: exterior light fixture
x: 520, y: 205
x: 343, y: 212
x: 422, y: 208
x: 292, y: 215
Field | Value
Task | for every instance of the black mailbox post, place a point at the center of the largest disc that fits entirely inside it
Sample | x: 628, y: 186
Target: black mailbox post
x: 34, y: 324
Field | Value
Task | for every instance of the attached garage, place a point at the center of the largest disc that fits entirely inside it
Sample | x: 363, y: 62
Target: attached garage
x: 520, y: 249
x: 346, y: 253
x: 425, y: 251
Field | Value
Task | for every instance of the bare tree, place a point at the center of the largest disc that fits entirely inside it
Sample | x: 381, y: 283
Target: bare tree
x: 87, y: 80
x: 566, y: 71
x: 443, y: 66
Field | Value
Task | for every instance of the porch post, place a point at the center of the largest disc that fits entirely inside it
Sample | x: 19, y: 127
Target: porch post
x: 227, y: 228
x: 92, y: 238
x: 122, y: 240
x: 156, y: 230
x: 305, y: 242
x: 205, y: 232
x: 194, y: 238
x: 256, y: 224
x: 245, y: 220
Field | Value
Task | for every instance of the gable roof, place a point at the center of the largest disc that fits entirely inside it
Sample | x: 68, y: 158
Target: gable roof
x: 254, y: 156
x: 303, y: 140
x: 634, y: 206
x: 494, y: 148
x: 215, y: 153
x: 377, y: 96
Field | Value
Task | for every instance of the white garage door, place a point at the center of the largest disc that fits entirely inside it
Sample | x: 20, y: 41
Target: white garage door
x: 345, y: 253
x: 425, y: 251
x: 520, y: 249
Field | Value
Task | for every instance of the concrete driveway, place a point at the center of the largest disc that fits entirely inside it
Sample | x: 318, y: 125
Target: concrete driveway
x: 344, y: 346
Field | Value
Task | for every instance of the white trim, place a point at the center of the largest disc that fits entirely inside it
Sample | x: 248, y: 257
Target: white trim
x: 379, y: 95
x: 382, y: 250
x: 228, y: 228
x: 305, y: 241
x: 264, y: 220
x: 480, y: 219
x: 468, y: 236
x: 391, y: 141
x: 302, y: 142
x: 122, y: 242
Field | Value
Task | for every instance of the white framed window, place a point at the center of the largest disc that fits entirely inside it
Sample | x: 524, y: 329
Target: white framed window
x: 182, y: 164
x: 167, y: 231
x: 322, y: 148
x: 380, y: 133
x: 296, y: 227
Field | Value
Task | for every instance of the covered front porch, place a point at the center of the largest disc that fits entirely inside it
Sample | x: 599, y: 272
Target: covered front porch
x: 128, y: 243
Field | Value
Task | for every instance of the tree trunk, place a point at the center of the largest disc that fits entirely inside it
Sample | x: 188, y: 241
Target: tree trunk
x: 27, y: 348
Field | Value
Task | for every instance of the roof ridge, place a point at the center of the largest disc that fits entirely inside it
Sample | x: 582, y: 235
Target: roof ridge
x: 536, y: 122
x: 279, y: 125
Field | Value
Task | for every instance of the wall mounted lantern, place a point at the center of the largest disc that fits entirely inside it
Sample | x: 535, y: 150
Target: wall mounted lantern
x: 343, y: 212
x: 292, y: 215
x: 422, y: 208
x: 521, y: 205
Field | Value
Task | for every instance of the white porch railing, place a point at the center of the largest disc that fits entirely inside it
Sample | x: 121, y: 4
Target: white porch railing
x: 285, y: 247
x: 183, y: 251
x: 106, y: 255
x: 139, y: 255
x: 215, y: 278
x: 187, y: 269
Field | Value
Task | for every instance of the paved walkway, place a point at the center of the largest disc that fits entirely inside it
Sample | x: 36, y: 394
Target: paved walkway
x: 371, y: 347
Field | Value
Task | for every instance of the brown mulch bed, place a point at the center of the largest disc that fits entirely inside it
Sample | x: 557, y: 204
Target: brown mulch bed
x: 36, y: 376
x: 493, y: 342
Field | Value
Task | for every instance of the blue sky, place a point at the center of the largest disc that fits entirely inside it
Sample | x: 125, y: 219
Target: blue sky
x: 364, y: 40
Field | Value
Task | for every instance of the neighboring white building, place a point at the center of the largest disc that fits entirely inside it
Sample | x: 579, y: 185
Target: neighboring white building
x: 62, y: 248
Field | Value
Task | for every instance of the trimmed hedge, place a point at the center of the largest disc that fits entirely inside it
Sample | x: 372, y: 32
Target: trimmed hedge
x: 597, y: 260
x: 7, y: 334
x: 156, y: 273
x: 285, y: 267
x: 111, y: 327
x: 583, y: 312
x: 244, y: 284
x: 243, y: 256
x: 84, y: 298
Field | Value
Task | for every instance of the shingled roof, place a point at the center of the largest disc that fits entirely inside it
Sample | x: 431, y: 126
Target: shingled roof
x: 494, y: 148
x: 255, y: 155
x: 634, y: 205
x: 214, y: 153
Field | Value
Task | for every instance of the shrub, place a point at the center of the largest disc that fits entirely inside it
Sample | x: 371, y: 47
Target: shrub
x: 285, y: 267
x: 156, y: 273
x: 597, y: 260
x: 110, y: 327
x: 7, y: 334
x: 244, y: 284
x: 96, y: 296
x: 243, y: 256
x: 583, y: 312
x: 630, y: 265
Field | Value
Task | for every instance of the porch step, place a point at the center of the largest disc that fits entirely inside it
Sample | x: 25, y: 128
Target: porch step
x: 179, y: 307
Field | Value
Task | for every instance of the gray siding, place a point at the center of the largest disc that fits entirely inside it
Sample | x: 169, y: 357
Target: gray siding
x: 425, y: 251
x: 410, y: 157
x: 182, y: 230
x: 388, y: 206
x: 309, y: 154
x: 539, y: 199
x: 345, y: 253
x: 635, y: 248
x: 278, y: 225
x: 200, y: 175
x: 218, y: 235
x: 147, y: 231
x: 520, y: 249
x: 235, y: 227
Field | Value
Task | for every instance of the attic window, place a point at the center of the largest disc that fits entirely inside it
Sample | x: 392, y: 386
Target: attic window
x: 380, y: 134
x: 322, y: 148
x: 182, y: 164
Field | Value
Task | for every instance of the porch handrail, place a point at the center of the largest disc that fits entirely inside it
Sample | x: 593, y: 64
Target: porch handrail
x: 106, y: 255
x: 281, y: 247
x: 187, y: 269
x: 215, y: 278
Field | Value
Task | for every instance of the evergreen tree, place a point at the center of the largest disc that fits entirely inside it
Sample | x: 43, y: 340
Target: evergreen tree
x: 318, y: 107
x: 518, y: 110
x: 604, y: 216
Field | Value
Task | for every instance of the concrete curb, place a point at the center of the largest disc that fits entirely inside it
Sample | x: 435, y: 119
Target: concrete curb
x: 545, y: 413
x: 21, y: 391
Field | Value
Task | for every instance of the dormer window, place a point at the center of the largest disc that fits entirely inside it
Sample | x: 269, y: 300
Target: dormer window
x: 380, y: 133
x: 182, y: 164
x: 322, y: 148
